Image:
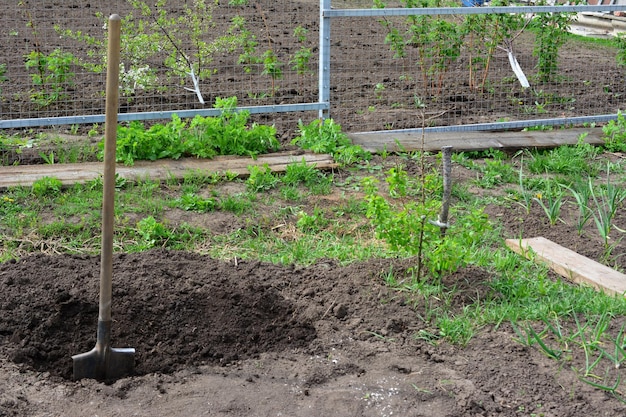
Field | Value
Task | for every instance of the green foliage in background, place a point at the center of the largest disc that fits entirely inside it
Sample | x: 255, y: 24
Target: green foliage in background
x: 204, y: 137
x: 51, y: 75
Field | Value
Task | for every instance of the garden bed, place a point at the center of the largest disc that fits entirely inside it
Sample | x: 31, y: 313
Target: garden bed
x: 226, y: 336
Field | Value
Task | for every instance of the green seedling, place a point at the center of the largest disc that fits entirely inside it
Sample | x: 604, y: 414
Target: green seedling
x: 606, y: 200
x: 581, y: 193
x: 272, y: 67
x: 551, y: 202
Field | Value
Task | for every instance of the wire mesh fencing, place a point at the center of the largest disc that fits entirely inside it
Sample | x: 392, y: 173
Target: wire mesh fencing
x: 437, y: 70
x: 176, y: 56
x: 385, y: 71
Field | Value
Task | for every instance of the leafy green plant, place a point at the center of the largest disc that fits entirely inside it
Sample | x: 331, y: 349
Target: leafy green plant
x: 194, y: 202
x: 614, y: 134
x: 551, y: 33
x: 495, y: 172
x: 152, y: 232
x: 51, y: 75
x: 313, y: 222
x: 325, y: 136
x: 232, y: 134
x: 272, y: 67
x: 47, y: 158
x: 302, y: 173
x: 204, y: 137
x: 47, y: 186
x: 379, y: 88
x: 261, y: 178
x: 570, y: 160
x: 237, y: 203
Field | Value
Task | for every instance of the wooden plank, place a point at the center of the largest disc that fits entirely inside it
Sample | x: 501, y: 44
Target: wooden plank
x: 473, y: 141
x: 25, y: 175
x: 570, y: 264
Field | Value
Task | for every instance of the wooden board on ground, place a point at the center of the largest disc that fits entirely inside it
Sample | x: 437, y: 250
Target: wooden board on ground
x: 473, y: 141
x: 571, y: 265
x: 25, y: 175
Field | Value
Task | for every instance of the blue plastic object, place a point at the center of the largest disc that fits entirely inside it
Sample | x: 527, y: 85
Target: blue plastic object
x: 472, y: 3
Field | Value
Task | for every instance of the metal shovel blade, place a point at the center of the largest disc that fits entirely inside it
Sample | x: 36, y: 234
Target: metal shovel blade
x: 104, y: 365
x: 103, y: 362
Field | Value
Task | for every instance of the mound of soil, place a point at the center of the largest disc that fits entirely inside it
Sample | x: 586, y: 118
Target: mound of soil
x: 252, y: 339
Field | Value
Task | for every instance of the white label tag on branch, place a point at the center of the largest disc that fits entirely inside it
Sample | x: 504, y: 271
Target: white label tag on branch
x: 517, y: 70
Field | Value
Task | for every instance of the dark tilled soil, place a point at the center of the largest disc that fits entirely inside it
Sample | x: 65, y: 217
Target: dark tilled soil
x: 247, y: 338
x: 219, y: 338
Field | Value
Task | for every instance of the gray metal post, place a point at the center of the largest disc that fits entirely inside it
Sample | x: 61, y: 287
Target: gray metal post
x: 324, y: 65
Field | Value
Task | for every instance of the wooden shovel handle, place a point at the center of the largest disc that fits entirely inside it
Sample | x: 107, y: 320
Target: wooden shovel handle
x: 108, y: 194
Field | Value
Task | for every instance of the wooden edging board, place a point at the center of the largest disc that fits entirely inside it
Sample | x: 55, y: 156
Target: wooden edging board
x: 570, y: 264
x: 393, y: 141
x: 25, y: 175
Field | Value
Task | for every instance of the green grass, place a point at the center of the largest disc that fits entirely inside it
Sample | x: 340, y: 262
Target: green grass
x: 370, y: 210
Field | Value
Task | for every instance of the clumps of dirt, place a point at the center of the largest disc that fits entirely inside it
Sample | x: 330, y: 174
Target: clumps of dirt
x: 327, y: 337
x: 176, y: 309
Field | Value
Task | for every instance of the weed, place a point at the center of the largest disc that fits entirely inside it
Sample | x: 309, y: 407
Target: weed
x: 94, y: 130
x: 47, y: 158
x: 237, y: 204
x: 614, y: 134
x: 302, y: 173
x: 194, y: 202
x: 569, y: 160
x: 495, y: 172
x: 47, y: 186
x: 313, y: 222
x: 261, y: 179
x: 152, y: 233
x: 291, y: 193
x: 379, y: 88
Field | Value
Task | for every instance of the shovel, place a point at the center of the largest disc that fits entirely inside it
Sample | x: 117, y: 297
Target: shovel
x: 103, y: 362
